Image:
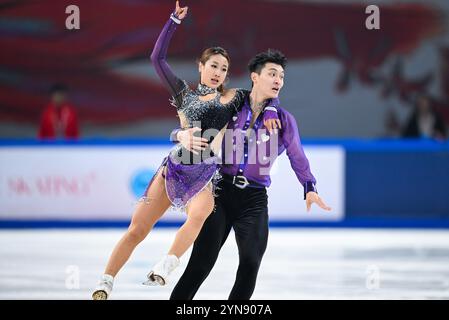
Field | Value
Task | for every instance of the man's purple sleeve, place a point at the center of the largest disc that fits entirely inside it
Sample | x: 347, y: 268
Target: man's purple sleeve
x: 174, y: 134
x: 270, y: 111
x: 298, y: 160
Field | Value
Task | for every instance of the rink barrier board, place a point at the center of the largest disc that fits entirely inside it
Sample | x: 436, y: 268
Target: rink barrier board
x: 365, y: 159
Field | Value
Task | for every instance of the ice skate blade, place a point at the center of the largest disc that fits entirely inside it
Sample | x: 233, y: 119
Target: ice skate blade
x: 154, y: 280
x: 100, y: 295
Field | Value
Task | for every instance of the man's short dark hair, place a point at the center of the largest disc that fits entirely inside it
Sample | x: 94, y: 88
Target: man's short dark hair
x: 257, y: 63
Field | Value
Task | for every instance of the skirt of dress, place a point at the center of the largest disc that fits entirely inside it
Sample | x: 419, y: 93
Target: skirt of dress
x: 183, y: 182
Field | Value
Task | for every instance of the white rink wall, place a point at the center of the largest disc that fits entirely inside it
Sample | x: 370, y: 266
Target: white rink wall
x: 86, y: 183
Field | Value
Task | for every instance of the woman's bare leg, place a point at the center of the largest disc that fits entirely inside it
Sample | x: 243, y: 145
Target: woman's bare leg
x: 198, y: 210
x: 143, y: 220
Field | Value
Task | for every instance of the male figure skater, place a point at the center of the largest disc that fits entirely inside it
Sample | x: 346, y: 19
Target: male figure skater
x: 241, y: 201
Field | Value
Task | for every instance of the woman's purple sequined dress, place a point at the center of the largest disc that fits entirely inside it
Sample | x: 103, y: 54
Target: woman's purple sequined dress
x: 187, y: 174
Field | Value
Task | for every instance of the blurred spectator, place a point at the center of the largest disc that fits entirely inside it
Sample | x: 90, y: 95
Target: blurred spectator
x: 425, y: 122
x: 59, y: 118
x: 392, y: 125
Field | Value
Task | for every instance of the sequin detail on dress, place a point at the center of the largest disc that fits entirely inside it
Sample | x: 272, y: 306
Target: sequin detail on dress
x: 185, y: 180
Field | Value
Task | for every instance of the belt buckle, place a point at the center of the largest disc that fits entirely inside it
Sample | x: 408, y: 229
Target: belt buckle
x: 241, y: 186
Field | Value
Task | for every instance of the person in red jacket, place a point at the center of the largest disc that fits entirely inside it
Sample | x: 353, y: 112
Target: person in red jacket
x: 59, y: 118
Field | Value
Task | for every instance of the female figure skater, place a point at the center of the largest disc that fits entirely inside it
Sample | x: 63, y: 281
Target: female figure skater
x: 186, y: 178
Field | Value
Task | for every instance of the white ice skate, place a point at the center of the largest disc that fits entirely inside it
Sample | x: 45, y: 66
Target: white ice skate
x: 160, y: 272
x: 104, y: 288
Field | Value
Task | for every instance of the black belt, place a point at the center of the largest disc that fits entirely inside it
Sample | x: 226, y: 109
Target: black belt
x: 241, y: 181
